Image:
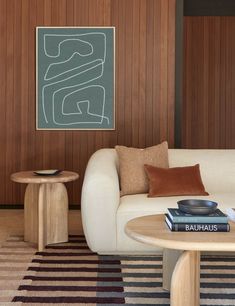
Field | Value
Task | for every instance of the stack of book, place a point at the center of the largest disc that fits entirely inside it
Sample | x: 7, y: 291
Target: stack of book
x: 179, y: 221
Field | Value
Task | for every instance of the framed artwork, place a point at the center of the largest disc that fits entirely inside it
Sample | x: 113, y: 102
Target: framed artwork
x: 75, y: 78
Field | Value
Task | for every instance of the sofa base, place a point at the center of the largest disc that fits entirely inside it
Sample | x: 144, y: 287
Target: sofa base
x: 138, y: 253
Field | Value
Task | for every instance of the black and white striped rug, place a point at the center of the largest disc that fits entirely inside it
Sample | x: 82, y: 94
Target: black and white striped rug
x: 70, y: 274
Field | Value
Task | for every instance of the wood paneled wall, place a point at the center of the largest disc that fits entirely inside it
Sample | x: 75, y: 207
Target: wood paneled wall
x: 208, y: 119
x: 145, y: 55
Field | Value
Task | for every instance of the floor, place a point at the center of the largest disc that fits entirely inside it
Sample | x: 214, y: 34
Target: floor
x: 12, y: 222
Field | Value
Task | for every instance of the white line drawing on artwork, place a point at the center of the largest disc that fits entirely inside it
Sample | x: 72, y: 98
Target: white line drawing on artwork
x: 71, y: 39
x: 72, y: 86
x: 96, y: 115
x: 66, y: 71
x: 53, y: 96
x: 101, y: 63
x: 69, y: 35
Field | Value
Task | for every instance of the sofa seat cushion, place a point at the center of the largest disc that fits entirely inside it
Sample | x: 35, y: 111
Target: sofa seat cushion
x: 133, y: 206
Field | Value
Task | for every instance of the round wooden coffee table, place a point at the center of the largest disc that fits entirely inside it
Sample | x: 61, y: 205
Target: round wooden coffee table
x: 45, y: 207
x: 181, y: 256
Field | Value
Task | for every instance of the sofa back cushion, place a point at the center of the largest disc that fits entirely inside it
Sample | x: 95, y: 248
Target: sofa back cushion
x: 217, y: 167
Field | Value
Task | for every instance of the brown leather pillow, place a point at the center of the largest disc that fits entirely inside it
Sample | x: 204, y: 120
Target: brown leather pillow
x: 174, y: 181
x: 133, y: 178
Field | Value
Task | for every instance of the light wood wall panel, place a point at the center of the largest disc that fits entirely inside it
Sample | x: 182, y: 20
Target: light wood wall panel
x: 208, y: 119
x: 145, y: 48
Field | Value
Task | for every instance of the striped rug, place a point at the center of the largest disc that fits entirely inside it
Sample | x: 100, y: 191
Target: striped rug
x: 70, y: 274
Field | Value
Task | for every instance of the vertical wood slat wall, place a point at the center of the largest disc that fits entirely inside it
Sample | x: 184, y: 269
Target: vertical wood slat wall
x: 145, y: 47
x: 208, y: 119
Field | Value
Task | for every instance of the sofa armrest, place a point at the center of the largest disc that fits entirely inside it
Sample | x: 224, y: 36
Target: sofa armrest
x: 100, y: 201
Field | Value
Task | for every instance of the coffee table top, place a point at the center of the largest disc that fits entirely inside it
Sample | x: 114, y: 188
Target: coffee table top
x: 30, y: 177
x: 154, y: 231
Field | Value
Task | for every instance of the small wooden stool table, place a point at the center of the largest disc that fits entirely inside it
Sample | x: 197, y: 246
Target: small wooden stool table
x: 181, y: 256
x: 45, y: 207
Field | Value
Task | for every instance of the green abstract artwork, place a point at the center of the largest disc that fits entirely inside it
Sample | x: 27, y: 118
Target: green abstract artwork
x: 75, y: 78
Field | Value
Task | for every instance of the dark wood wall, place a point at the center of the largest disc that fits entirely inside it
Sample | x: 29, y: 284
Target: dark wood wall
x: 208, y: 118
x: 145, y: 55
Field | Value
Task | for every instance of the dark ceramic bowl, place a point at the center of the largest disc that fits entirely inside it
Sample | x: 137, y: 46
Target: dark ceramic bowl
x: 197, y: 207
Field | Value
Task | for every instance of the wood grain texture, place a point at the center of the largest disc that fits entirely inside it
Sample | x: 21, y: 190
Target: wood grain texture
x: 181, y: 272
x: 31, y: 213
x: 153, y: 230
x: 144, y: 82
x: 30, y: 177
x: 56, y: 213
x: 170, y: 258
x: 186, y: 291
x: 46, y: 214
x: 208, y: 119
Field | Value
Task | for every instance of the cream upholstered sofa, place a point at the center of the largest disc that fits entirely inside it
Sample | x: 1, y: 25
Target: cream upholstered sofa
x: 105, y: 213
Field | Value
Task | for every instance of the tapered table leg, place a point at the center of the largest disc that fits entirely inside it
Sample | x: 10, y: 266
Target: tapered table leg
x: 185, y: 281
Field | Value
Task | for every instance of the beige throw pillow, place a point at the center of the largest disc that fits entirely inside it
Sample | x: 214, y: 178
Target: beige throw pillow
x: 133, y: 178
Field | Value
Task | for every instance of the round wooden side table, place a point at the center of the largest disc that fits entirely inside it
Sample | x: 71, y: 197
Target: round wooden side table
x: 45, y: 206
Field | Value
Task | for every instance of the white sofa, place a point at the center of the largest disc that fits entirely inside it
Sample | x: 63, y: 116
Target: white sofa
x: 105, y: 213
